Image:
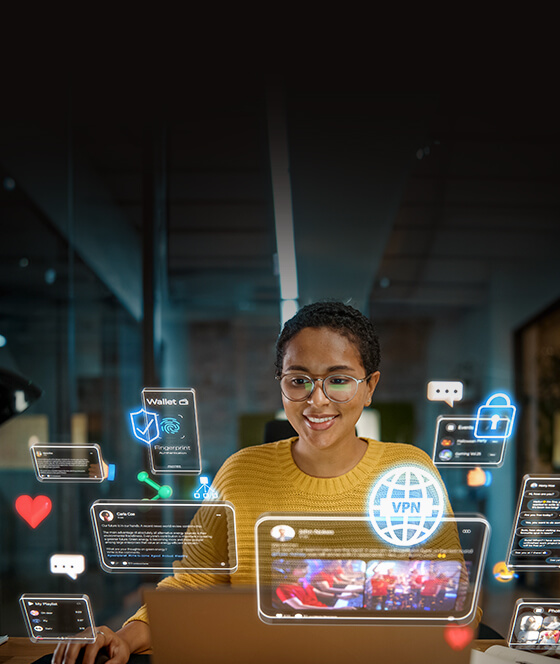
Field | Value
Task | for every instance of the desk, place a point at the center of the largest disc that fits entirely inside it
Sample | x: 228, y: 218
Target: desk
x: 20, y: 650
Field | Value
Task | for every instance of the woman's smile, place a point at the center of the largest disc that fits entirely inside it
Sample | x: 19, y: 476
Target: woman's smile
x: 326, y: 428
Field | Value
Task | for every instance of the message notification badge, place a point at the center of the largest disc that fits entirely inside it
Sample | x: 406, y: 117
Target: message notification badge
x: 71, y: 564
x: 535, y: 537
x: 176, y: 450
x: 456, y: 445
x: 58, y: 618
x: 445, y: 390
x: 171, y: 536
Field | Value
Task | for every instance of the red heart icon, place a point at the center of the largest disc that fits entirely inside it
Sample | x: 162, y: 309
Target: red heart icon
x: 33, y: 510
x: 458, y: 637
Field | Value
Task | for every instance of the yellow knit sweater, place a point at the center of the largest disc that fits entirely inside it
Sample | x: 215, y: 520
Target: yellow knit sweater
x: 265, y: 478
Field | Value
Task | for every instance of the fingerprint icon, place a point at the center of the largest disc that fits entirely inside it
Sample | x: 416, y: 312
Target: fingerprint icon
x: 170, y: 425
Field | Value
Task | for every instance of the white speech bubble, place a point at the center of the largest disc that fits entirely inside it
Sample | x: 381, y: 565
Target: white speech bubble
x: 445, y: 390
x: 72, y: 564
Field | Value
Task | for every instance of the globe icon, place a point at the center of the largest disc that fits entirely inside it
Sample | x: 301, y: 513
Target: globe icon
x: 406, y: 505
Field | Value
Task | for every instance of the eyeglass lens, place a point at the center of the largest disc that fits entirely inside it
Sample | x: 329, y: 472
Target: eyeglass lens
x: 336, y: 388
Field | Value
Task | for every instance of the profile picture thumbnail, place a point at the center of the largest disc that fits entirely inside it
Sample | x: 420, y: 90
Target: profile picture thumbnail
x: 106, y: 515
x: 283, y: 533
x: 446, y: 455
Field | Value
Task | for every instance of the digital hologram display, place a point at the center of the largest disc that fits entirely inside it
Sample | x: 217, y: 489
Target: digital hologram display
x: 165, y: 536
x: 334, y: 569
x: 58, y: 617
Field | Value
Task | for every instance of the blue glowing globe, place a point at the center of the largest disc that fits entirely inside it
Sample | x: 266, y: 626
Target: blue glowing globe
x: 406, y: 505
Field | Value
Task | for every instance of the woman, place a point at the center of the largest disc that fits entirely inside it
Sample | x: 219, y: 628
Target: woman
x: 328, y: 367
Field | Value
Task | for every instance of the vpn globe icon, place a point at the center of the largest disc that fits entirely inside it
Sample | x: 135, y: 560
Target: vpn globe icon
x: 406, y: 505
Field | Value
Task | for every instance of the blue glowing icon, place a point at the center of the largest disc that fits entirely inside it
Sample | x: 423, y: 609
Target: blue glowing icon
x: 205, y: 490
x: 406, y: 505
x: 170, y: 425
x: 495, y: 419
x: 145, y: 426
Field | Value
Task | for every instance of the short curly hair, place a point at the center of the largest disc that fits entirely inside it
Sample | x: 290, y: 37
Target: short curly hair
x: 339, y: 317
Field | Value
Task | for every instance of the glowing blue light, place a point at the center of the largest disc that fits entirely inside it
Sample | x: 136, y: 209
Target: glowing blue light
x: 145, y: 426
x: 3, y: 340
x: 495, y: 419
x: 406, y: 505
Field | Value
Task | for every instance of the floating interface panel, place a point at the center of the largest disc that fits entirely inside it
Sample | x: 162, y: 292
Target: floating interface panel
x: 58, y: 617
x: 177, y: 449
x: 148, y: 536
x: 317, y: 569
x: 535, y: 537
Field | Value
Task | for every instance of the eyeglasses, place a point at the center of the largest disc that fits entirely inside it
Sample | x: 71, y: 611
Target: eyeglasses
x: 337, y: 388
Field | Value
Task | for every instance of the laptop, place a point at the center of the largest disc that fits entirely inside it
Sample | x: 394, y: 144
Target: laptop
x: 222, y: 626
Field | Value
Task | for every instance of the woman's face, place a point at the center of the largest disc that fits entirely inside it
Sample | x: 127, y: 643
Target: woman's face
x: 320, y: 352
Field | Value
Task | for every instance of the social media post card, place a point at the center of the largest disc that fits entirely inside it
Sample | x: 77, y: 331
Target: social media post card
x: 171, y: 536
x: 456, y: 445
x: 170, y: 421
x: 324, y: 569
x: 535, y: 625
x: 68, y: 462
x: 58, y: 617
x: 535, y: 537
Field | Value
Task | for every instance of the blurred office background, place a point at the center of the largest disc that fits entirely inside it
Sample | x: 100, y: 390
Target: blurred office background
x: 142, y: 243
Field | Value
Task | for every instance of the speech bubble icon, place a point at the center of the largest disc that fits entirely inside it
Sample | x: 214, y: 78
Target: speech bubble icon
x: 445, y: 390
x: 72, y: 564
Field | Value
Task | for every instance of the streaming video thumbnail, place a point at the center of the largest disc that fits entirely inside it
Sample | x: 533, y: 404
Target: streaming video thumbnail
x: 334, y: 568
x: 535, y: 625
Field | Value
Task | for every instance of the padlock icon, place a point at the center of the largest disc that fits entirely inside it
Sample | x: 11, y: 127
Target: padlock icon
x: 495, y: 420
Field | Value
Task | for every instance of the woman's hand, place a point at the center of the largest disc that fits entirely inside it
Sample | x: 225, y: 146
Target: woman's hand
x: 117, y: 648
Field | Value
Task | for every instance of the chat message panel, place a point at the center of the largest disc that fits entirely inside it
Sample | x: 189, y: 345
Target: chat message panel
x: 177, y: 450
x: 58, y: 617
x: 322, y: 569
x: 171, y: 536
x: 455, y: 444
x: 535, y: 536
x: 535, y: 625
x: 67, y: 462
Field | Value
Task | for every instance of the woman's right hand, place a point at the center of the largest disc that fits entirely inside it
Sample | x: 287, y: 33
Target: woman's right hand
x: 117, y: 649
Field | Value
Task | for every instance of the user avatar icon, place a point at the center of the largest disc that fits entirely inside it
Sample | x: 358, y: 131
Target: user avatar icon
x: 106, y: 515
x: 283, y: 533
x: 446, y: 455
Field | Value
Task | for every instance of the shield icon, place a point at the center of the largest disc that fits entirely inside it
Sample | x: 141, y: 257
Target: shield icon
x: 145, y: 426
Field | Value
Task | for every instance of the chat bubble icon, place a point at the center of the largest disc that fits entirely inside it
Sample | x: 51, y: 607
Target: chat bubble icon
x: 72, y: 564
x: 445, y: 390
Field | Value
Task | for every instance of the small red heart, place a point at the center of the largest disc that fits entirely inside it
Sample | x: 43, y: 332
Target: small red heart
x: 458, y: 637
x: 33, y: 510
